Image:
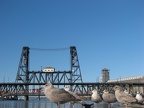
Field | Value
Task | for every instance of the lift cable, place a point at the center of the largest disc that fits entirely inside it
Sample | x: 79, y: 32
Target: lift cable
x: 54, y: 49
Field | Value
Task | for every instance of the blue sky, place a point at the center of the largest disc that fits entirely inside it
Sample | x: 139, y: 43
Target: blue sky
x: 107, y: 34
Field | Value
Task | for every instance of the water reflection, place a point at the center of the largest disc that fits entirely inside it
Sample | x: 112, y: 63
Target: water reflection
x: 48, y: 104
x: 33, y: 104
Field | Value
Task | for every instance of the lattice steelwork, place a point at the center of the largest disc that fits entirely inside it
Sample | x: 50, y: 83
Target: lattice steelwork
x: 23, y: 69
x: 82, y: 89
x: 52, y: 77
x: 25, y: 76
x: 75, y: 66
x: 22, y: 73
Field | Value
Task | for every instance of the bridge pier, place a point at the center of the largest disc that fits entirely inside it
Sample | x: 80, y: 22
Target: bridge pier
x: 26, y: 98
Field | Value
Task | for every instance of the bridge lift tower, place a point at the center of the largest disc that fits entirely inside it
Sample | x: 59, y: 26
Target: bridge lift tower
x: 25, y: 76
x: 75, y: 66
x: 23, y: 69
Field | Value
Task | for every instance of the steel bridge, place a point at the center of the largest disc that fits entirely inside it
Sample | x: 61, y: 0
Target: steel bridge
x: 82, y: 89
x: 28, y: 83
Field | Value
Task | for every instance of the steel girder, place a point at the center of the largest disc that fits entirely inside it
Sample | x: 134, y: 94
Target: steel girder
x: 49, y: 77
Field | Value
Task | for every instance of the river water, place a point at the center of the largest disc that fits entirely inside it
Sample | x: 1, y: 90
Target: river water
x: 48, y: 104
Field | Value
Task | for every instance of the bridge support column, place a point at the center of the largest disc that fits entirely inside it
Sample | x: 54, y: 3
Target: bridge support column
x: 26, y: 98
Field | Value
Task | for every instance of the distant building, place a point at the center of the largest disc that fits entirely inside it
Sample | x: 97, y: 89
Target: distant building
x: 48, y: 69
x: 104, y: 75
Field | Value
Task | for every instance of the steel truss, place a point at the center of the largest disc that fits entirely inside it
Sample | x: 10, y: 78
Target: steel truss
x: 82, y: 89
x: 46, y: 77
x: 25, y: 76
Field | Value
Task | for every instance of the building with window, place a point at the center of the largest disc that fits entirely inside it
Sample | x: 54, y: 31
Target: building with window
x: 48, y: 69
x: 104, y: 75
